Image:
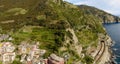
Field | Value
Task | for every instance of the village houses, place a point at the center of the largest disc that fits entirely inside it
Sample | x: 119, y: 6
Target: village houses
x: 7, y: 52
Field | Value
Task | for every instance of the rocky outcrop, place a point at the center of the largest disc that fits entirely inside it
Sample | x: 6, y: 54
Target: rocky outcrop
x: 54, y: 59
x: 76, y: 47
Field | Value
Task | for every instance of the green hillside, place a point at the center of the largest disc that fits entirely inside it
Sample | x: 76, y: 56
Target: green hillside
x: 47, y: 21
x: 104, y: 16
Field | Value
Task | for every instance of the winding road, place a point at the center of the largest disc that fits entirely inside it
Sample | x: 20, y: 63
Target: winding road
x: 100, y: 52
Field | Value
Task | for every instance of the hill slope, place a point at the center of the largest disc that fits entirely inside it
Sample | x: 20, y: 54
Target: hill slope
x: 104, y: 16
x: 59, y: 26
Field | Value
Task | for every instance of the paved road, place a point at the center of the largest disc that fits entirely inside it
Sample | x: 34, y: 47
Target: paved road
x: 100, y: 52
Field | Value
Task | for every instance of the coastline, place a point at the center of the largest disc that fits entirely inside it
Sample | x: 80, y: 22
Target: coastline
x: 112, y: 61
x: 107, y: 57
x: 110, y: 43
x: 112, y: 56
x: 113, y: 32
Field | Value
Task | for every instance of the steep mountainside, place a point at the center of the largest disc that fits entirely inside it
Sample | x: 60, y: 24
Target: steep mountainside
x: 59, y: 26
x: 104, y: 16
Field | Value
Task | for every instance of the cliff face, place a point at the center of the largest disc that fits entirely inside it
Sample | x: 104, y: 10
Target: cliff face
x: 104, y: 16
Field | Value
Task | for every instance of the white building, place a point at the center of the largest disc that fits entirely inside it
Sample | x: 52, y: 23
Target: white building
x: 7, y: 52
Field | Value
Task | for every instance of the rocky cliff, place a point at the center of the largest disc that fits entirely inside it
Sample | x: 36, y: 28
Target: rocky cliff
x: 104, y: 16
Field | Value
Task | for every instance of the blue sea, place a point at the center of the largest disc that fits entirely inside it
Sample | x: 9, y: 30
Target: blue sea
x: 113, y: 30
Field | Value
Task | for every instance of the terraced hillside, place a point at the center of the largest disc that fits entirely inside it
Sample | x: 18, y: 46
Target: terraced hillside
x: 59, y: 26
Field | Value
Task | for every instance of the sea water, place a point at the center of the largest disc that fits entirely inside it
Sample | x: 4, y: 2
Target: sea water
x: 113, y: 30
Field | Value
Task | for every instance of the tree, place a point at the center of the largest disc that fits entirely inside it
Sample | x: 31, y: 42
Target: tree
x: 87, y: 59
x: 16, y: 62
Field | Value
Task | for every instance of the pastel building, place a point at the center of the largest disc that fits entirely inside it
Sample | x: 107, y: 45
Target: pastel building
x: 7, y: 52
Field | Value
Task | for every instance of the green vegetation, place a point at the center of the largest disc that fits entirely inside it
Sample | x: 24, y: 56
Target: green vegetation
x: 46, y: 21
x: 16, y: 62
x: 104, y: 16
x: 50, y: 39
x: 0, y: 62
x: 87, y: 59
x: 16, y: 11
